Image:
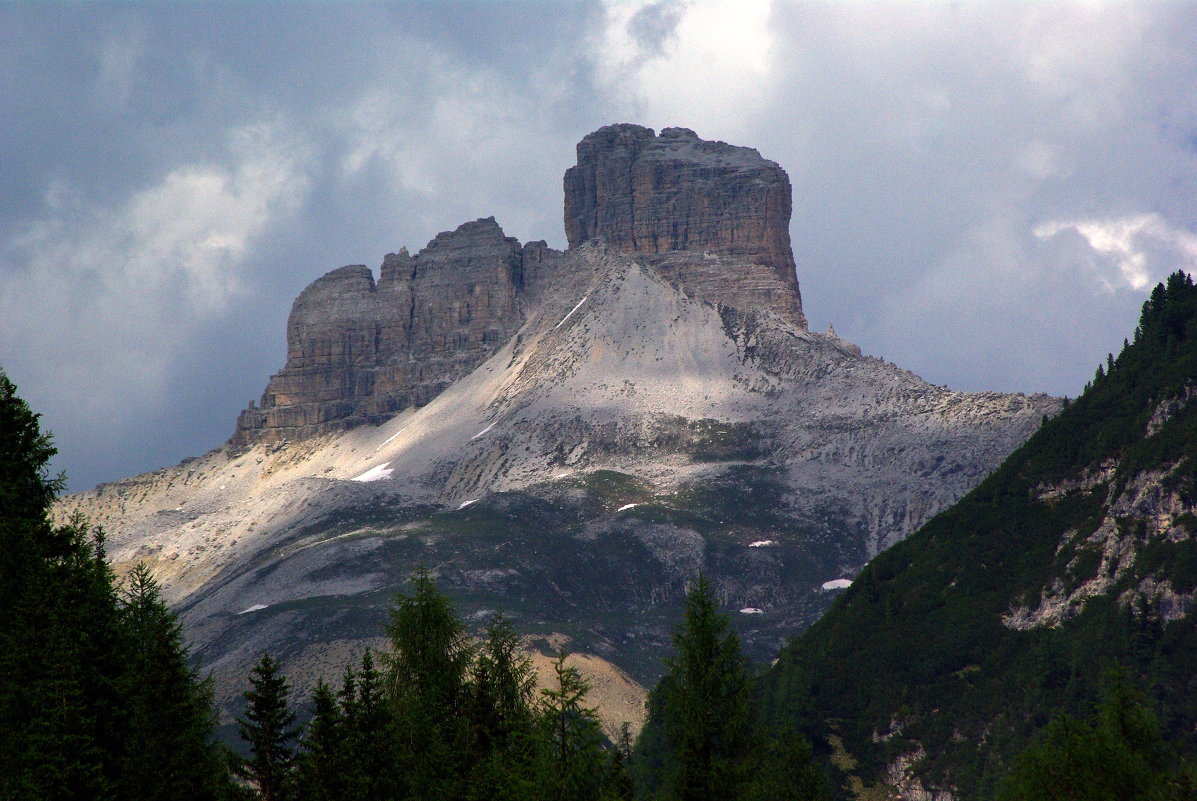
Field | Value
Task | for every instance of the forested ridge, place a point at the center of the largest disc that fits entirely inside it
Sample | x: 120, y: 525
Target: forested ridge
x: 918, y: 660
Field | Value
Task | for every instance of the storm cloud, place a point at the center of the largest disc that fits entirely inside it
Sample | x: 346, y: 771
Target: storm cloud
x: 984, y: 192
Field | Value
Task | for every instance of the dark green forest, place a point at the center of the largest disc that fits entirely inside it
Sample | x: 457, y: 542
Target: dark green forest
x: 915, y: 655
x: 99, y: 699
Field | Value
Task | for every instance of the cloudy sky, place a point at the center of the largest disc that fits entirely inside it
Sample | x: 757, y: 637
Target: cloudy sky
x: 984, y: 192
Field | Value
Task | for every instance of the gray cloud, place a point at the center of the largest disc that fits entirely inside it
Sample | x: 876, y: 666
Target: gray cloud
x: 984, y: 192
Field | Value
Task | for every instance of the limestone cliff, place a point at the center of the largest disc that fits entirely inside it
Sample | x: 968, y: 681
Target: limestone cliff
x: 709, y: 217
x: 566, y: 436
x: 359, y: 351
x: 658, y: 195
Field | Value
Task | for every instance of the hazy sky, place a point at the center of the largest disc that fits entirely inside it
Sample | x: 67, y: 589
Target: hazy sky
x: 984, y: 192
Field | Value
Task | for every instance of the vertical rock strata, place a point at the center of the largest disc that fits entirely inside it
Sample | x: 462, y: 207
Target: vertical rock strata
x: 707, y: 216
x: 359, y: 351
x: 657, y: 195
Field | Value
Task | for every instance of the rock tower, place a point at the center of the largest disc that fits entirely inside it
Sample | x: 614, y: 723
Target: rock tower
x: 708, y: 216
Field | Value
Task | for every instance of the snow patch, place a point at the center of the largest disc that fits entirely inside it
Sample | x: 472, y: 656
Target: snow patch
x: 837, y: 584
x: 392, y: 436
x: 376, y: 473
x: 468, y: 503
x: 626, y: 506
x: 752, y: 610
x: 483, y: 431
x: 571, y: 311
x: 253, y: 608
x: 762, y: 543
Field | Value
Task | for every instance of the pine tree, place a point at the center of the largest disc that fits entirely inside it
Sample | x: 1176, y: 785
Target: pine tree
x: 1118, y: 754
x: 321, y: 766
x: 784, y: 769
x: 618, y: 785
x: 375, y: 767
x: 268, y: 729
x: 169, y: 750
x: 500, y: 714
x: 707, y: 718
x: 426, y: 682
x: 500, y: 689
x: 572, y: 762
x: 59, y: 638
x: 88, y: 680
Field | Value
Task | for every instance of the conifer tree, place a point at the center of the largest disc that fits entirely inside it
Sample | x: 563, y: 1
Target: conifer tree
x: 501, y: 688
x: 500, y: 713
x: 321, y: 766
x: 169, y: 750
x: 572, y: 764
x: 707, y: 718
x: 784, y: 769
x: 1118, y: 754
x: 375, y: 759
x: 268, y: 729
x: 59, y: 635
x: 88, y: 680
x: 426, y: 683
x: 618, y: 785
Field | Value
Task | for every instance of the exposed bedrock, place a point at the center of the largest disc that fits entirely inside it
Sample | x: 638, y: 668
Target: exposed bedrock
x: 359, y: 351
x: 708, y: 217
x: 656, y: 195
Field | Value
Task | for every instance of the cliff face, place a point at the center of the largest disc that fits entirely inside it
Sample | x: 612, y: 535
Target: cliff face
x: 657, y: 195
x: 711, y: 218
x: 359, y: 352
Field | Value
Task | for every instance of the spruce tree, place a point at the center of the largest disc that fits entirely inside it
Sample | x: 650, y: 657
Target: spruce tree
x: 784, y: 769
x: 500, y: 689
x: 268, y: 729
x: 93, y: 687
x: 426, y: 677
x: 169, y: 751
x: 618, y: 784
x: 500, y: 713
x: 59, y: 636
x: 572, y: 764
x: 321, y: 767
x: 702, y: 706
x: 1118, y: 754
x: 375, y: 768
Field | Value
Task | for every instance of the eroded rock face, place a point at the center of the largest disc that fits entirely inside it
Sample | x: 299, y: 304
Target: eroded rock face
x: 708, y: 217
x: 360, y: 351
x: 660, y: 195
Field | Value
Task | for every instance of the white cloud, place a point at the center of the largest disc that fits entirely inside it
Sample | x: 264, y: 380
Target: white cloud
x: 108, y: 295
x: 455, y: 141
x: 706, y: 64
x: 120, y: 51
x: 1136, y: 251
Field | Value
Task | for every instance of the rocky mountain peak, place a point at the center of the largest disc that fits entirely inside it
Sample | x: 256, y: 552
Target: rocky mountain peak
x: 359, y: 352
x: 658, y: 195
x: 709, y: 217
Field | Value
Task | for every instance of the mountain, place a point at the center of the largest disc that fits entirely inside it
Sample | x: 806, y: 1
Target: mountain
x: 567, y: 436
x: 953, y: 648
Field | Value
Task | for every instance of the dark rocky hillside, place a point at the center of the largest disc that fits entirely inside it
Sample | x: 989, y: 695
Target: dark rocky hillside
x: 953, y: 648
